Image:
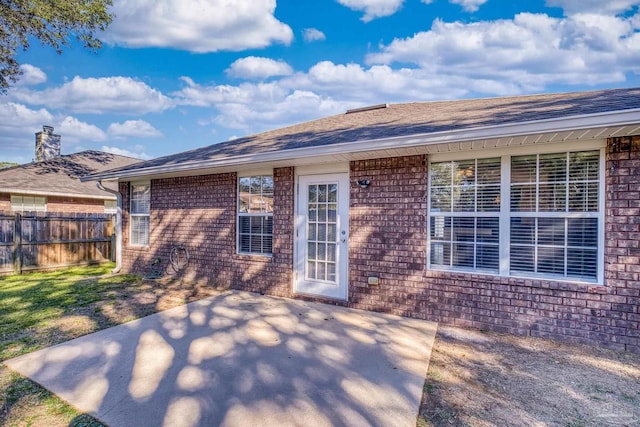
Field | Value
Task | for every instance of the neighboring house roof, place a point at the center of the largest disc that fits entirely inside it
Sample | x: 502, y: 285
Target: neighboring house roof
x: 60, y: 176
x: 399, y: 129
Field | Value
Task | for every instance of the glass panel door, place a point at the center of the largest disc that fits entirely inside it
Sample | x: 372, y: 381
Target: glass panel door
x: 321, y: 245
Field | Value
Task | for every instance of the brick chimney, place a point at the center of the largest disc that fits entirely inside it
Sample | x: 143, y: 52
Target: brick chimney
x: 47, y: 144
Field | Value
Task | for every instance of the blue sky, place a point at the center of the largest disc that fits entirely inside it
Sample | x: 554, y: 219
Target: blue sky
x: 176, y: 75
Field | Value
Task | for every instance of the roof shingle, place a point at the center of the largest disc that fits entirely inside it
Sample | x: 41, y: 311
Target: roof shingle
x: 61, y: 174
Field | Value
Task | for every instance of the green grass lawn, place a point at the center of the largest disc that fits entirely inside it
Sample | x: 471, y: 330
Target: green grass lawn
x: 32, y: 308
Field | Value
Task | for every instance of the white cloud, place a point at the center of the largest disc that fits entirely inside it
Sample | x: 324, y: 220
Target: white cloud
x: 373, y: 8
x: 379, y: 83
x: 197, y: 25
x: 469, y: 5
x: 73, y: 130
x: 138, y: 151
x: 205, y: 96
x: 297, y: 106
x: 529, y: 52
x: 254, y: 107
x: 593, y: 6
x: 18, y: 116
x: 253, y: 67
x: 313, y: 34
x: 31, y: 75
x: 133, y: 128
x: 121, y: 95
x: 325, y: 89
x: 18, y: 124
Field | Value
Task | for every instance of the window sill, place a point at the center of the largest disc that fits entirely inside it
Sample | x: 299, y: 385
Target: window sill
x: 138, y: 248
x: 254, y: 257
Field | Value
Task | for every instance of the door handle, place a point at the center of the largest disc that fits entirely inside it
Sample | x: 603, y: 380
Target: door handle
x: 343, y: 239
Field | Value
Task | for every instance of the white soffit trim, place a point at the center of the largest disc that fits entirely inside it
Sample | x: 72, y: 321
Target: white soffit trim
x: 326, y: 168
x: 21, y: 192
x: 611, y: 124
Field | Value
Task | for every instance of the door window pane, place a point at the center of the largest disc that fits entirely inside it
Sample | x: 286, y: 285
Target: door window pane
x: 322, y: 231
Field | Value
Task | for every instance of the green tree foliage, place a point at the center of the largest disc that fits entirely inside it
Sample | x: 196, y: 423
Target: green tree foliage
x: 51, y: 22
x: 4, y: 165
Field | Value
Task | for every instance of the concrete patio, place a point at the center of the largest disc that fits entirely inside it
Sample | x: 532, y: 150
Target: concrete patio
x: 241, y: 359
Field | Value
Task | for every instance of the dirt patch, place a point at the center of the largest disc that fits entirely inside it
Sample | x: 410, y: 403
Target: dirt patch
x: 489, y: 379
x: 148, y: 297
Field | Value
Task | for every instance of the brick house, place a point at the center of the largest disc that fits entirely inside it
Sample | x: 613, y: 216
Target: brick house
x: 518, y: 214
x: 51, y: 182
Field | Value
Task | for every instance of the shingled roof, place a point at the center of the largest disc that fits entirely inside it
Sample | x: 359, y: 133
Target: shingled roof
x: 60, y: 176
x: 401, y: 120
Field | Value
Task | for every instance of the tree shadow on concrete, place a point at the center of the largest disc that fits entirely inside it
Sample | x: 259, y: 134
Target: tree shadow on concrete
x: 238, y: 359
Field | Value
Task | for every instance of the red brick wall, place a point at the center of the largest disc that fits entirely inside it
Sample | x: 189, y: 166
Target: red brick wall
x: 73, y: 204
x: 388, y: 236
x: 199, y: 213
x: 5, y: 202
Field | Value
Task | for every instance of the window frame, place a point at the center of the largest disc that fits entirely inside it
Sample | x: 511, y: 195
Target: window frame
x: 139, y: 215
x: 21, y: 203
x: 505, y: 213
x: 239, y: 214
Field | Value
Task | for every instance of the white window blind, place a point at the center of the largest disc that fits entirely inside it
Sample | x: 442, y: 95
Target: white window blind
x: 255, y: 214
x: 28, y: 204
x: 465, y: 206
x: 140, y: 207
x: 551, y: 211
x: 554, y: 214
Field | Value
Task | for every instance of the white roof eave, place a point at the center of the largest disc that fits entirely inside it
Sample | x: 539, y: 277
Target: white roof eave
x: 19, y: 191
x: 571, y: 123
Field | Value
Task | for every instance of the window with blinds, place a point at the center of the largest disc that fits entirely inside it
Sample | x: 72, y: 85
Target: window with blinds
x: 554, y: 214
x: 465, y: 208
x: 255, y: 214
x: 140, y: 206
x: 533, y: 215
x: 28, y: 204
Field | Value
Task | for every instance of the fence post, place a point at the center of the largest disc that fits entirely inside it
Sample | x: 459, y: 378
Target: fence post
x: 17, y: 244
x: 113, y: 240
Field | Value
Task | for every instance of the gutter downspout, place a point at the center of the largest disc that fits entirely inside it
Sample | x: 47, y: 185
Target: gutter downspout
x: 118, y: 225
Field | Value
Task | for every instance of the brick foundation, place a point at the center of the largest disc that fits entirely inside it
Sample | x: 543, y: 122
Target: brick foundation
x: 388, y: 236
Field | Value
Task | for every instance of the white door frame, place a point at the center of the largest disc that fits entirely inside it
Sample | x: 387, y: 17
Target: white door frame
x: 322, y: 288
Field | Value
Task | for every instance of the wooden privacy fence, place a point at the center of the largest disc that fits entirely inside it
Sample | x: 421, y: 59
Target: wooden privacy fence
x: 38, y: 241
